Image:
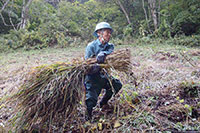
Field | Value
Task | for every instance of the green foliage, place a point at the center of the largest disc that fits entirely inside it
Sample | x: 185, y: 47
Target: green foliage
x: 11, y: 15
x: 20, y: 39
x: 183, y: 16
x: 72, y: 23
x: 72, y: 18
x: 189, y: 89
x: 67, y: 25
x: 95, y: 14
x: 184, y: 22
x: 32, y: 40
x: 128, y: 30
x: 40, y: 12
x: 193, y: 41
x: 164, y: 29
x: 143, y: 28
x: 145, y: 119
x: 11, y: 40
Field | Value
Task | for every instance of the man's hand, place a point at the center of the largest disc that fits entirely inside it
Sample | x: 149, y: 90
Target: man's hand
x: 101, y: 57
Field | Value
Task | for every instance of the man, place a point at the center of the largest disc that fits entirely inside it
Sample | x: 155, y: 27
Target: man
x: 95, y: 80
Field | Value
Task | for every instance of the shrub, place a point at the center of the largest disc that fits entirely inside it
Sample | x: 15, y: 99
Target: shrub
x: 191, y: 41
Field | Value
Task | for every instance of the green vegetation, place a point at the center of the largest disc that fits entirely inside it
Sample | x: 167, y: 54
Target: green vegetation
x: 67, y: 23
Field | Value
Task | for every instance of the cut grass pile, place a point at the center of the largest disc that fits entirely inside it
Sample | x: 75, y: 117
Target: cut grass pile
x: 52, y: 91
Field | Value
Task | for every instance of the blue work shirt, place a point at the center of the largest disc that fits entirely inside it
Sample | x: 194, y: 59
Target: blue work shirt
x: 95, y: 47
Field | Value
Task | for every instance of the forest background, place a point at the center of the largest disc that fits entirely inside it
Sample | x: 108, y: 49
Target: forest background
x: 36, y: 24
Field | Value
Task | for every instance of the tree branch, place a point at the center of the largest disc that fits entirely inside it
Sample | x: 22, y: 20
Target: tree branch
x: 24, y: 15
x: 126, y: 14
x: 11, y: 21
x: 4, y: 6
x: 159, y: 2
x: 4, y: 22
x: 145, y: 13
x: 2, y: 17
x: 152, y: 5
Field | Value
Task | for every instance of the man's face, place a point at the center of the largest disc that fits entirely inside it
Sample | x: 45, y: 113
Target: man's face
x: 106, y: 35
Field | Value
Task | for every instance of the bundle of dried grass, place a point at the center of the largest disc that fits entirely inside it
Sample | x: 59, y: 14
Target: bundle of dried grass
x: 56, y: 90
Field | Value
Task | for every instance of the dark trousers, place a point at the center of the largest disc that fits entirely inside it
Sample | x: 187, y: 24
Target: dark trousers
x: 94, y: 84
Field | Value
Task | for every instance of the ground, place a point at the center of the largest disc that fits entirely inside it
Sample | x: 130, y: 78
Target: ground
x: 162, y: 96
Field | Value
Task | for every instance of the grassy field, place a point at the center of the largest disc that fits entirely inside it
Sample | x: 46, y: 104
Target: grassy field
x: 159, y: 99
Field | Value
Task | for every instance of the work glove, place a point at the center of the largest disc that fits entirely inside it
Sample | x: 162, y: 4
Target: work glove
x: 101, y: 57
x: 94, y: 69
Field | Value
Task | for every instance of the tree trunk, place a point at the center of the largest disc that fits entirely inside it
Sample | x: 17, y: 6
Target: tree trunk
x: 159, y: 1
x: 152, y: 5
x: 124, y: 11
x: 6, y: 3
x: 24, y: 14
x: 1, y: 16
x: 145, y: 13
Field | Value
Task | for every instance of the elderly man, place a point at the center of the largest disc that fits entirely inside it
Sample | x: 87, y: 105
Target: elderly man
x: 95, y: 80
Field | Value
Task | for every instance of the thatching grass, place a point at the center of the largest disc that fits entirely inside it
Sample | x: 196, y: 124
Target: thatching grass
x: 50, y: 91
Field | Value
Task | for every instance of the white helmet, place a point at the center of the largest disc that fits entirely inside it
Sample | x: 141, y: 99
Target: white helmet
x: 102, y: 25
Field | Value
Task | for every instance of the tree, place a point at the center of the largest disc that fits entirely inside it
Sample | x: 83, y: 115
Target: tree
x: 127, y: 9
x: 152, y: 5
x: 24, y: 13
x: 2, y: 9
x: 124, y: 11
x: 183, y: 16
x: 6, y: 16
x: 145, y: 14
x: 14, y: 14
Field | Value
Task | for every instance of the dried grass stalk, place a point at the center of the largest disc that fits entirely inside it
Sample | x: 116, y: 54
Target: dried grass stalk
x: 56, y: 90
